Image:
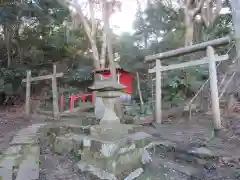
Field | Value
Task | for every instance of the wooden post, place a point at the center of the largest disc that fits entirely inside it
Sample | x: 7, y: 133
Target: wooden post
x: 158, y: 107
x: 214, y: 89
x: 55, y: 94
x: 62, y: 103
x: 28, y: 92
x: 235, y: 4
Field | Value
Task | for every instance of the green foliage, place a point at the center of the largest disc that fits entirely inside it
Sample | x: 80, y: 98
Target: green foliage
x: 10, y: 80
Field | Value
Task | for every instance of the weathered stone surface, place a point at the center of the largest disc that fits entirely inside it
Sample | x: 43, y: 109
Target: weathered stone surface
x: 80, y: 121
x: 133, y: 175
x: 99, y: 109
x: 109, y: 116
x: 107, y: 94
x: 113, y: 149
x: 63, y: 144
x: 6, y: 167
x: 27, y: 135
x: 116, y: 130
x: 12, y: 150
x: 23, y: 155
x: 5, y: 173
x: 122, y: 163
x: 24, y: 139
x: 29, y: 168
x: 11, y: 157
x: 95, y: 172
x: 202, y: 152
x: 64, y: 127
x: 146, y: 158
x: 106, y: 85
x: 140, y: 138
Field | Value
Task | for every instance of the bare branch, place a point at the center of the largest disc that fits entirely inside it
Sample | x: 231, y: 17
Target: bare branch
x: 108, y: 34
x: 198, y: 8
x: 204, y: 16
x: 93, y: 21
x: 103, y: 52
x: 205, y: 13
x: 217, y: 10
x: 188, y: 3
x: 82, y: 18
x: 91, y: 33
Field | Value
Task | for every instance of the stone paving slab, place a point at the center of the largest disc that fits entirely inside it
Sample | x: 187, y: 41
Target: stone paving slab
x: 29, y: 168
x: 6, y: 168
x: 5, y: 174
x: 27, y: 135
x: 22, y: 154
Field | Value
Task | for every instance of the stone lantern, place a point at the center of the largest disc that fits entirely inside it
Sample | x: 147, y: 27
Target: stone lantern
x: 109, y: 91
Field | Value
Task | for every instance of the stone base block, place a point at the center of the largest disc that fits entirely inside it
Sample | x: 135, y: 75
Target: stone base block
x: 62, y: 128
x: 117, y: 164
x: 94, y: 172
x: 114, y: 152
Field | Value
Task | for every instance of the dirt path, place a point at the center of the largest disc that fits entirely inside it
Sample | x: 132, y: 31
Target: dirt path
x: 198, y: 133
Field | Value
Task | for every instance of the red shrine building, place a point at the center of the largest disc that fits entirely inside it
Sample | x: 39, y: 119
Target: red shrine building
x: 123, y: 77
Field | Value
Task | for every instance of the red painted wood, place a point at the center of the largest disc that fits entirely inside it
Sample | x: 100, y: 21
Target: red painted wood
x: 74, y: 97
x: 126, y: 79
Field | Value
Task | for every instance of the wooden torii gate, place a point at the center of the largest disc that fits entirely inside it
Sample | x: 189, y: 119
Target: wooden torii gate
x: 211, y: 59
x: 53, y: 76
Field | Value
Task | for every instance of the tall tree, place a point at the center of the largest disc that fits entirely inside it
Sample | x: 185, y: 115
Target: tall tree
x: 91, y: 29
x: 207, y: 10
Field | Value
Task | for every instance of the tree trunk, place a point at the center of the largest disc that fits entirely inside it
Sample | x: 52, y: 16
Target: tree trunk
x: 7, y: 38
x: 95, y: 54
x: 103, y: 52
x: 90, y: 31
x: 108, y: 33
x: 189, y: 23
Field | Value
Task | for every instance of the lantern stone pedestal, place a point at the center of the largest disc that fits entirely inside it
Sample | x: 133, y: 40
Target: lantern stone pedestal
x: 112, y: 150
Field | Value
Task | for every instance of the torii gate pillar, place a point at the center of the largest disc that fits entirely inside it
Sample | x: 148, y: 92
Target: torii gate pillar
x: 236, y: 23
